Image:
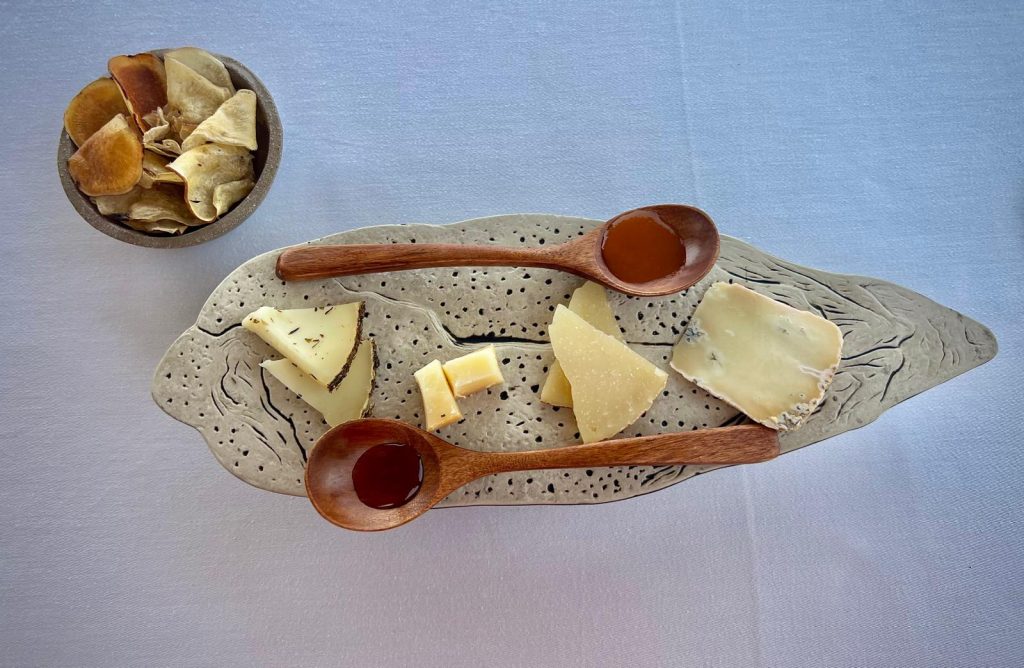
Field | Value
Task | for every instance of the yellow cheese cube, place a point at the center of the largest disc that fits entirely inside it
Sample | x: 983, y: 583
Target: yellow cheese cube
x: 473, y: 372
x: 440, y: 409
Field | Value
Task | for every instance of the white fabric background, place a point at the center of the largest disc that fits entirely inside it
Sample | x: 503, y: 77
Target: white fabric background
x: 878, y: 138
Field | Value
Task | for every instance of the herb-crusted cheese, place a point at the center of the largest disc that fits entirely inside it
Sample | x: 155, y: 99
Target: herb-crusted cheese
x: 771, y: 361
x: 320, y: 341
x: 611, y: 384
x: 590, y: 302
x: 438, y: 401
x: 348, y: 401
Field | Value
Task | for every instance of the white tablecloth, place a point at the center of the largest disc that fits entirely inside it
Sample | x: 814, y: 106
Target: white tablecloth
x: 878, y: 138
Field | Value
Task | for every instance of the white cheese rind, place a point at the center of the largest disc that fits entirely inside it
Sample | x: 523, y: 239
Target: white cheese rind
x: 439, y: 406
x: 769, y: 360
x: 320, y: 341
x: 473, y: 372
x: 612, y: 385
x: 590, y: 302
x: 350, y: 400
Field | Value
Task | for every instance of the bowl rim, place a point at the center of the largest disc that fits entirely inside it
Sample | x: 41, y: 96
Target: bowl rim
x: 241, y: 211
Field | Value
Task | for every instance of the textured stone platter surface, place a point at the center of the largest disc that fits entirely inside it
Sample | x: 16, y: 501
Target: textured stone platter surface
x: 897, y: 343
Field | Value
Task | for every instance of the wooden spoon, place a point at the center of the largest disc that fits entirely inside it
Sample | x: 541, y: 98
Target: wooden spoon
x: 447, y: 467
x: 582, y: 256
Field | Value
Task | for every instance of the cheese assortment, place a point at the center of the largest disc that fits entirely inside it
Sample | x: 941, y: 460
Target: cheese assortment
x: 611, y: 384
x: 320, y: 341
x: 769, y: 360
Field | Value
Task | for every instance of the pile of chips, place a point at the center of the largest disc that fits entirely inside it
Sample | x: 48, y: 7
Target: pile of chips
x: 164, y: 145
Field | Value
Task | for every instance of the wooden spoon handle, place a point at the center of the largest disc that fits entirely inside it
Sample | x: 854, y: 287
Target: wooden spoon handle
x: 744, y: 444
x: 312, y: 262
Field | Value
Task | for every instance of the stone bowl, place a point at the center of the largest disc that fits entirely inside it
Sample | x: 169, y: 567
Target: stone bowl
x: 269, y: 137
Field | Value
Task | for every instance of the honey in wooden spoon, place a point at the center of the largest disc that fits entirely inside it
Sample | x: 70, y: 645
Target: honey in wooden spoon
x: 388, y: 475
x: 639, y: 247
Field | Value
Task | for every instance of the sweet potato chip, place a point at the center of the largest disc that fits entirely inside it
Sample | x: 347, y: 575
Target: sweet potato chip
x: 159, y: 127
x: 90, y: 110
x: 181, y: 129
x: 191, y: 97
x: 156, y: 133
x: 117, y: 205
x: 167, y: 147
x: 206, y: 167
x: 204, y: 64
x: 233, y: 124
x: 226, y: 195
x: 110, y: 161
x: 142, y: 81
x: 151, y: 226
x: 164, y: 203
x: 154, y: 170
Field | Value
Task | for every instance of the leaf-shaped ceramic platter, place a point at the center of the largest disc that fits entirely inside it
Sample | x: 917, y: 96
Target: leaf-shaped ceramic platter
x: 897, y: 343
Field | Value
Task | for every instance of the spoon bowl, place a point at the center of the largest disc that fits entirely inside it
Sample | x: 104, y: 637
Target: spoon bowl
x: 583, y: 256
x: 329, y: 483
x: 446, y: 467
x: 699, y: 237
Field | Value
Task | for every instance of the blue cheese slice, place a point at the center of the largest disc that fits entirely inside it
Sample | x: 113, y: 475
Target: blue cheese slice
x: 350, y: 400
x: 590, y: 302
x: 611, y: 384
x: 320, y: 341
x: 769, y: 360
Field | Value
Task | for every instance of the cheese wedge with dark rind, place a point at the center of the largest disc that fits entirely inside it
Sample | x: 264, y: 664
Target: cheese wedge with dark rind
x: 350, y: 400
x: 321, y: 341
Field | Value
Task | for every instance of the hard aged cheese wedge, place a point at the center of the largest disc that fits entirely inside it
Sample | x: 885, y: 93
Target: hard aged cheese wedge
x: 348, y: 401
x: 556, y: 390
x: 771, y: 361
x: 611, y: 385
x: 320, y: 341
x: 440, y: 409
x: 473, y: 372
x: 590, y: 302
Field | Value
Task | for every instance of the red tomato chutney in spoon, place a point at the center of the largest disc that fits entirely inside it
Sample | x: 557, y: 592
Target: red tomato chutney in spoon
x: 639, y: 247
